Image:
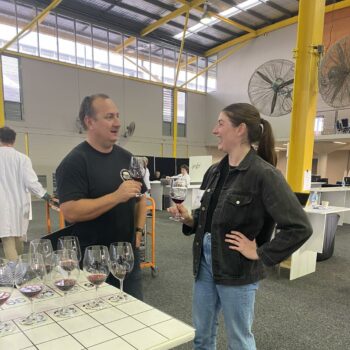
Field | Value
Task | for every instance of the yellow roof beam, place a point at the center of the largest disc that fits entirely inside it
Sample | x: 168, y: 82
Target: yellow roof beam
x: 188, y: 62
x: 221, y: 18
x: 270, y: 28
x: 171, y: 16
x: 39, y: 18
x: 226, y: 55
x: 181, y: 48
x: 231, y: 22
x: 126, y: 43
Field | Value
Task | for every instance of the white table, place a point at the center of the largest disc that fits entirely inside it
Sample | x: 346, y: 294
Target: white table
x: 157, y: 194
x: 336, y: 196
x: 126, y: 325
x: 303, y: 261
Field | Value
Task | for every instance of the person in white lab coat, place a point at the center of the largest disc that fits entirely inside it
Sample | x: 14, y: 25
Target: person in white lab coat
x: 17, y: 181
x: 146, y: 177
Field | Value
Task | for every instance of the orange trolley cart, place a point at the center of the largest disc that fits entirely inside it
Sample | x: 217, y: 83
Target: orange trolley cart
x: 148, y: 252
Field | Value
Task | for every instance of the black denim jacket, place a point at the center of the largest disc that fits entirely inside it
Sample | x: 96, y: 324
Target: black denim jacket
x: 253, y: 198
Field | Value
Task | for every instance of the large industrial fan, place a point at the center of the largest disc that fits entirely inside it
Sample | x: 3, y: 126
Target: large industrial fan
x: 334, y: 74
x: 126, y: 135
x: 271, y: 86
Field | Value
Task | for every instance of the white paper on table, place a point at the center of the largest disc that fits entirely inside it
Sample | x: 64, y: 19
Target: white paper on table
x: 307, y: 180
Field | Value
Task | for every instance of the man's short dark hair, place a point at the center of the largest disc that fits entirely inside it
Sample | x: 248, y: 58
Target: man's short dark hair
x: 86, y: 107
x: 7, y: 135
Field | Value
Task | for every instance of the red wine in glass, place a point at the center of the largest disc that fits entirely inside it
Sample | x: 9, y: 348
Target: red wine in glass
x: 65, y: 284
x: 68, y: 265
x: 177, y: 200
x: 139, y: 179
x: 4, y: 296
x: 31, y: 291
x: 97, y: 278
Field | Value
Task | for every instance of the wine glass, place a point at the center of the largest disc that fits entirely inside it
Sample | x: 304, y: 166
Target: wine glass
x: 64, y: 276
x: 122, y: 262
x: 137, y: 170
x: 178, y: 191
x: 43, y: 247
x: 6, y: 288
x: 96, y: 267
x: 30, y: 274
x: 70, y: 243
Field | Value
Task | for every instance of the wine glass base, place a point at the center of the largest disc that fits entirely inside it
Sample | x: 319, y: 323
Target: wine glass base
x: 117, y: 298
x: 95, y: 305
x: 33, y: 319
x: 176, y: 218
x: 65, y: 312
x: 6, y: 328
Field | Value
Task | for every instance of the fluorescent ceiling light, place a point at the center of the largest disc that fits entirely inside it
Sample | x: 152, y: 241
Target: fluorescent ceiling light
x: 339, y: 142
x: 245, y: 5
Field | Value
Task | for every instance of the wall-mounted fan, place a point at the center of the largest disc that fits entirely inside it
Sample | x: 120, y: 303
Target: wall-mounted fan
x: 126, y: 134
x: 334, y: 74
x: 270, y: 87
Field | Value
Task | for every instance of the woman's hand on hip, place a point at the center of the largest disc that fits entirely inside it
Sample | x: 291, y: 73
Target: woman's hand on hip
x: 238, y: 241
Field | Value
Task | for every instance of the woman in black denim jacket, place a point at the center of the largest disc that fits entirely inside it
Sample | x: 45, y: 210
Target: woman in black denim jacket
x: 244, y: 196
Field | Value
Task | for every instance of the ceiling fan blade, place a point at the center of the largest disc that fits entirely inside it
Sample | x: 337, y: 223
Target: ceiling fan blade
x: 274, y: 100
x: 264, y: 77
x: 286, y: 83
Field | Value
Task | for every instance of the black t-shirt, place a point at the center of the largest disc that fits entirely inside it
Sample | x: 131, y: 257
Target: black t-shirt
x: 87, y: 173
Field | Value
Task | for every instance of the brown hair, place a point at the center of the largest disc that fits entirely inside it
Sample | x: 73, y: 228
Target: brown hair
x: 86, y: 107
x: 259, y: 129
x: 184, y: 166
x: 7, y: 135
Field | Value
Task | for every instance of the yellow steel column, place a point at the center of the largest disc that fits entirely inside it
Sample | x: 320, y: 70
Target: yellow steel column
x: 175, y: 123
x: 310, y: 34
x: 2, y: 103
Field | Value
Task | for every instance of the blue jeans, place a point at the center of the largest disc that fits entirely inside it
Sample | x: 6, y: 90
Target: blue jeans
x: 237, y: 303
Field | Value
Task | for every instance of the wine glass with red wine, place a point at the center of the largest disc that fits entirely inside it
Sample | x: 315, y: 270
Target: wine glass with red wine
x: 70, y: 243
x: 96, y: 267
x: 178, y: 192
x: 137, y: 170
x: 122, y: 262
x: 6, y: 288
x: 64, y: 276
x: 43, y: 247
x: 30, y: 274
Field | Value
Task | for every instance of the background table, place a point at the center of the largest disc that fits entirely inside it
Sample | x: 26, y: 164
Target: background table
x: 127, y: 325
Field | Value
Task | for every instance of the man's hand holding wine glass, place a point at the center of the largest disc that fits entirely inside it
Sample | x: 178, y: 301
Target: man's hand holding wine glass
x: 127, y: 190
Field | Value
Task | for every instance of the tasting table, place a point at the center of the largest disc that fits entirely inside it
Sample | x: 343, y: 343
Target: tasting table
x: 125, y: 325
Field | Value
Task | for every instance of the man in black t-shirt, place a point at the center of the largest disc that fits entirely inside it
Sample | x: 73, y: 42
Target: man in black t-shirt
x: 92, y: 189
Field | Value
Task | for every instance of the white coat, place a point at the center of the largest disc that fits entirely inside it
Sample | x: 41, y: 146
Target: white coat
x: 17, y: 180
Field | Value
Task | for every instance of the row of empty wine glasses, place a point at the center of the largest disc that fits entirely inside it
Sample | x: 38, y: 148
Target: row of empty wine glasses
x: 32, y: 272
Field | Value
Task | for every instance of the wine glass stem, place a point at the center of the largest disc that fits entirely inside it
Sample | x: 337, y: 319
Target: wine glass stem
x: 64, y: 301
x: 121, y: 287
x: 32, y: 308
x: 96, y: 294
